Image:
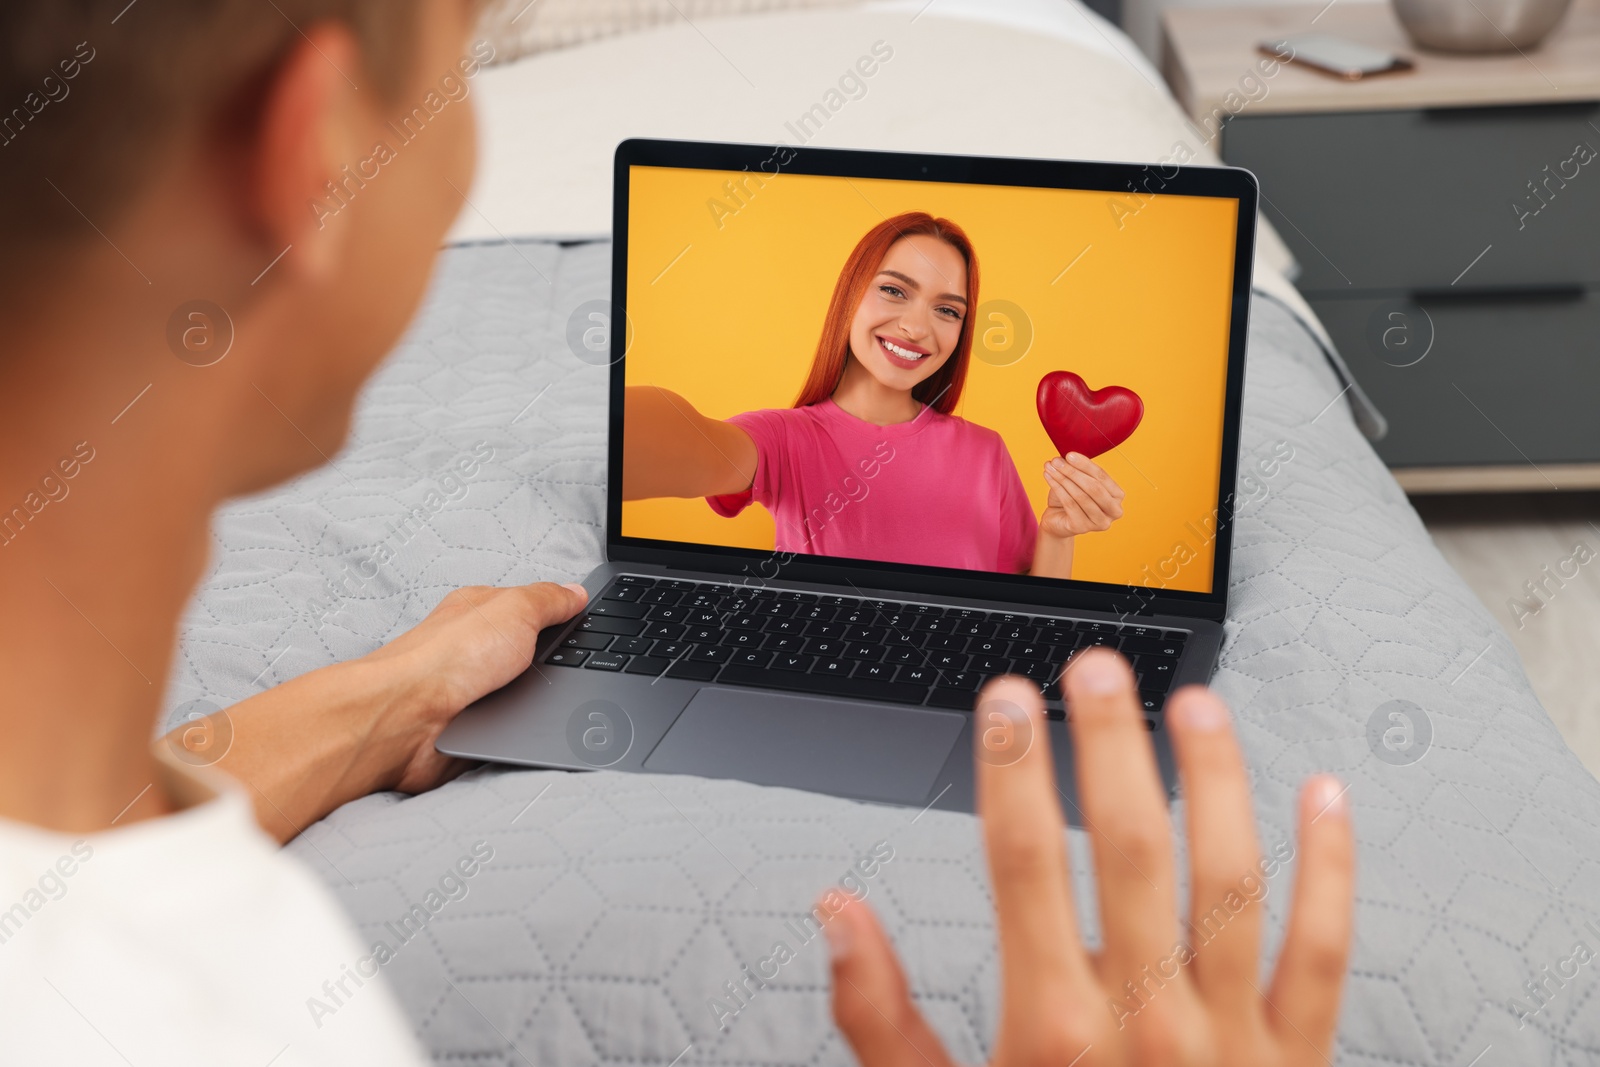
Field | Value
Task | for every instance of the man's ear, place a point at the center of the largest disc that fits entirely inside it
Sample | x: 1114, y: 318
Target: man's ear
x: 310, y: 120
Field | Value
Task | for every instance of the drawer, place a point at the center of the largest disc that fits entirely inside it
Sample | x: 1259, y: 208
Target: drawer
x: 1409, y: 199
x: 1508, y: 379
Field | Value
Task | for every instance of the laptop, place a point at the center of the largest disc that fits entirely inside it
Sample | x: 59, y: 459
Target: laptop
x: 839, y: 384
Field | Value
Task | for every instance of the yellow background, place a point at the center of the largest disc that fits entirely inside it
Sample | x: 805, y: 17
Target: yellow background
x: 727, y: 311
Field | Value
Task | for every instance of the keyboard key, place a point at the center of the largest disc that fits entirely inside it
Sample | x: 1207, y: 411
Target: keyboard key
x: 827, y: 684
x: 958, y: 680
x: 825, y: 646
x: 704, y: 617
x: 606, y: 661
x: 1018, y: 633
x: 785, y: 626
x: 669, y: 613
x: 621, y: 609
x: 742, y: 638
x: 647, y: 665
x: 917, y: 675
x: 605, y: 625
x: 593, y: 642
x: 633, y: 579
x: 694, y: 671
x: 905, y: 655
x: 1150, y: 646
x: 711, y: 654
x: 631, y: 646
x: 1141, y: 631
x: 792, y: 661
x: 662, y: 631
x: 703, y: 635
x: 946, y: 643
x: 873, y: 634
x: 1039, y: 672
x: 1103, y: 640
x: 567, y: 657
x: 988, y: 646
x: 1058, y: 634
x: 960, y: 699
x: 1155, y: 676
x: 991, y: 665
x: 783, y: 643
x: 671, y: 649
x: 863, y: 650
x: 775, y: 608
x: 1096, y: 627
x: 661, y: 596
x: 625, y: 592
x: 752, y: 658
x: 826, y: 629
x: 838, y: 667
x: 954, y: 661
x: 1152, y: 702
x: 815, y: 613
x: 747, y: 621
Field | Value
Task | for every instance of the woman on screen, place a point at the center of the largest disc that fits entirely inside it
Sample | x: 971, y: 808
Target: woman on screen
x: 869, y: 462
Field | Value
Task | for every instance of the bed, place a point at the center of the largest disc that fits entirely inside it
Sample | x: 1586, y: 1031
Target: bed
x: 615, y: 908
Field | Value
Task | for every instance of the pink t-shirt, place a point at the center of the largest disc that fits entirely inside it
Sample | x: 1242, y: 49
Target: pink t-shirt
x: 937, y: 491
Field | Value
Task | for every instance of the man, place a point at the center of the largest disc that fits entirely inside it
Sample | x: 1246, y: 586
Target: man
x: 160, y: 151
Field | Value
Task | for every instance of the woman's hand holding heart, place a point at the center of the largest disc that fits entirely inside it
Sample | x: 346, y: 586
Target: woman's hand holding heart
x: 1083, y: 497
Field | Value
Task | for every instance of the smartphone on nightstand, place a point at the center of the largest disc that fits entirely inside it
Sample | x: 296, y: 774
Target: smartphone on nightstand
x: 1333, y: 55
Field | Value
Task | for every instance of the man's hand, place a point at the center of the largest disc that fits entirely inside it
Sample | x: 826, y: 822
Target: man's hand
x: 474, y: 642
x: 328, y: 737
x: 1155, y: 994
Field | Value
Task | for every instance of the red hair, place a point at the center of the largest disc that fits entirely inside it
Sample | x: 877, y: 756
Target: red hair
x: 942, y: 389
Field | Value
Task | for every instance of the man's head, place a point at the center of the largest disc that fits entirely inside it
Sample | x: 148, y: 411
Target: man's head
x: 293, y: 162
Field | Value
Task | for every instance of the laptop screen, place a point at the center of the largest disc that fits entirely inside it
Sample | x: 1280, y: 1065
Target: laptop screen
x: 999, y: 379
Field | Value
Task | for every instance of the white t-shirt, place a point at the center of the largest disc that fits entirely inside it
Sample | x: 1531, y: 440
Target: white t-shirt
x: 188, y: 939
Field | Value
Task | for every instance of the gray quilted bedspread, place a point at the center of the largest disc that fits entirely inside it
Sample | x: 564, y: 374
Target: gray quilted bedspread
x: 617, y: 909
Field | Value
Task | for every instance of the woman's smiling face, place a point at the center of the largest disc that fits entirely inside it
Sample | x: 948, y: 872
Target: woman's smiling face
x: 909, y: 321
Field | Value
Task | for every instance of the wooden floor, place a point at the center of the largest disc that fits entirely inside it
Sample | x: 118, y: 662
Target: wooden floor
x: 1502, y: 542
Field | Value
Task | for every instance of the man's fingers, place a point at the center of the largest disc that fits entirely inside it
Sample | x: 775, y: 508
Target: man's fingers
x: 1044, y: 966
x: 1226, y: 885
x: 871, y: 1001
x: 552, y: 603
x: 1304, y: 999
x: 1125, y: 809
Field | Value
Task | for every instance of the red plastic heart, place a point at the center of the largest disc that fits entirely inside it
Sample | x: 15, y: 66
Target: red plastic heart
x: 1084, y: 420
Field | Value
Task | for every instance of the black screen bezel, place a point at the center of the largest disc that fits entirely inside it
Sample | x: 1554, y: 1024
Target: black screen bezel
x: 1123, y: 178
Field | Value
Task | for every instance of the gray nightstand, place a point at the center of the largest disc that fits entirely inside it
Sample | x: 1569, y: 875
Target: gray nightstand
x: 1447, y: 225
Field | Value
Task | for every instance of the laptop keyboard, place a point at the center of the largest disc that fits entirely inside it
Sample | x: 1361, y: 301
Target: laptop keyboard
x: 905, y: 653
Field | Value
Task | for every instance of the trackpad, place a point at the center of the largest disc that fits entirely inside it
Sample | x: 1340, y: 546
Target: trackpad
x: 869, y: 751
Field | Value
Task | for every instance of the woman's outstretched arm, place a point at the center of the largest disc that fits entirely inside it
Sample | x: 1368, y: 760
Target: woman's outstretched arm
x: 670, y: 449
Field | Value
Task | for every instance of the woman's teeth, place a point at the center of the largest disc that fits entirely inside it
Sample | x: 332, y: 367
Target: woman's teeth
x: 903, y: 353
